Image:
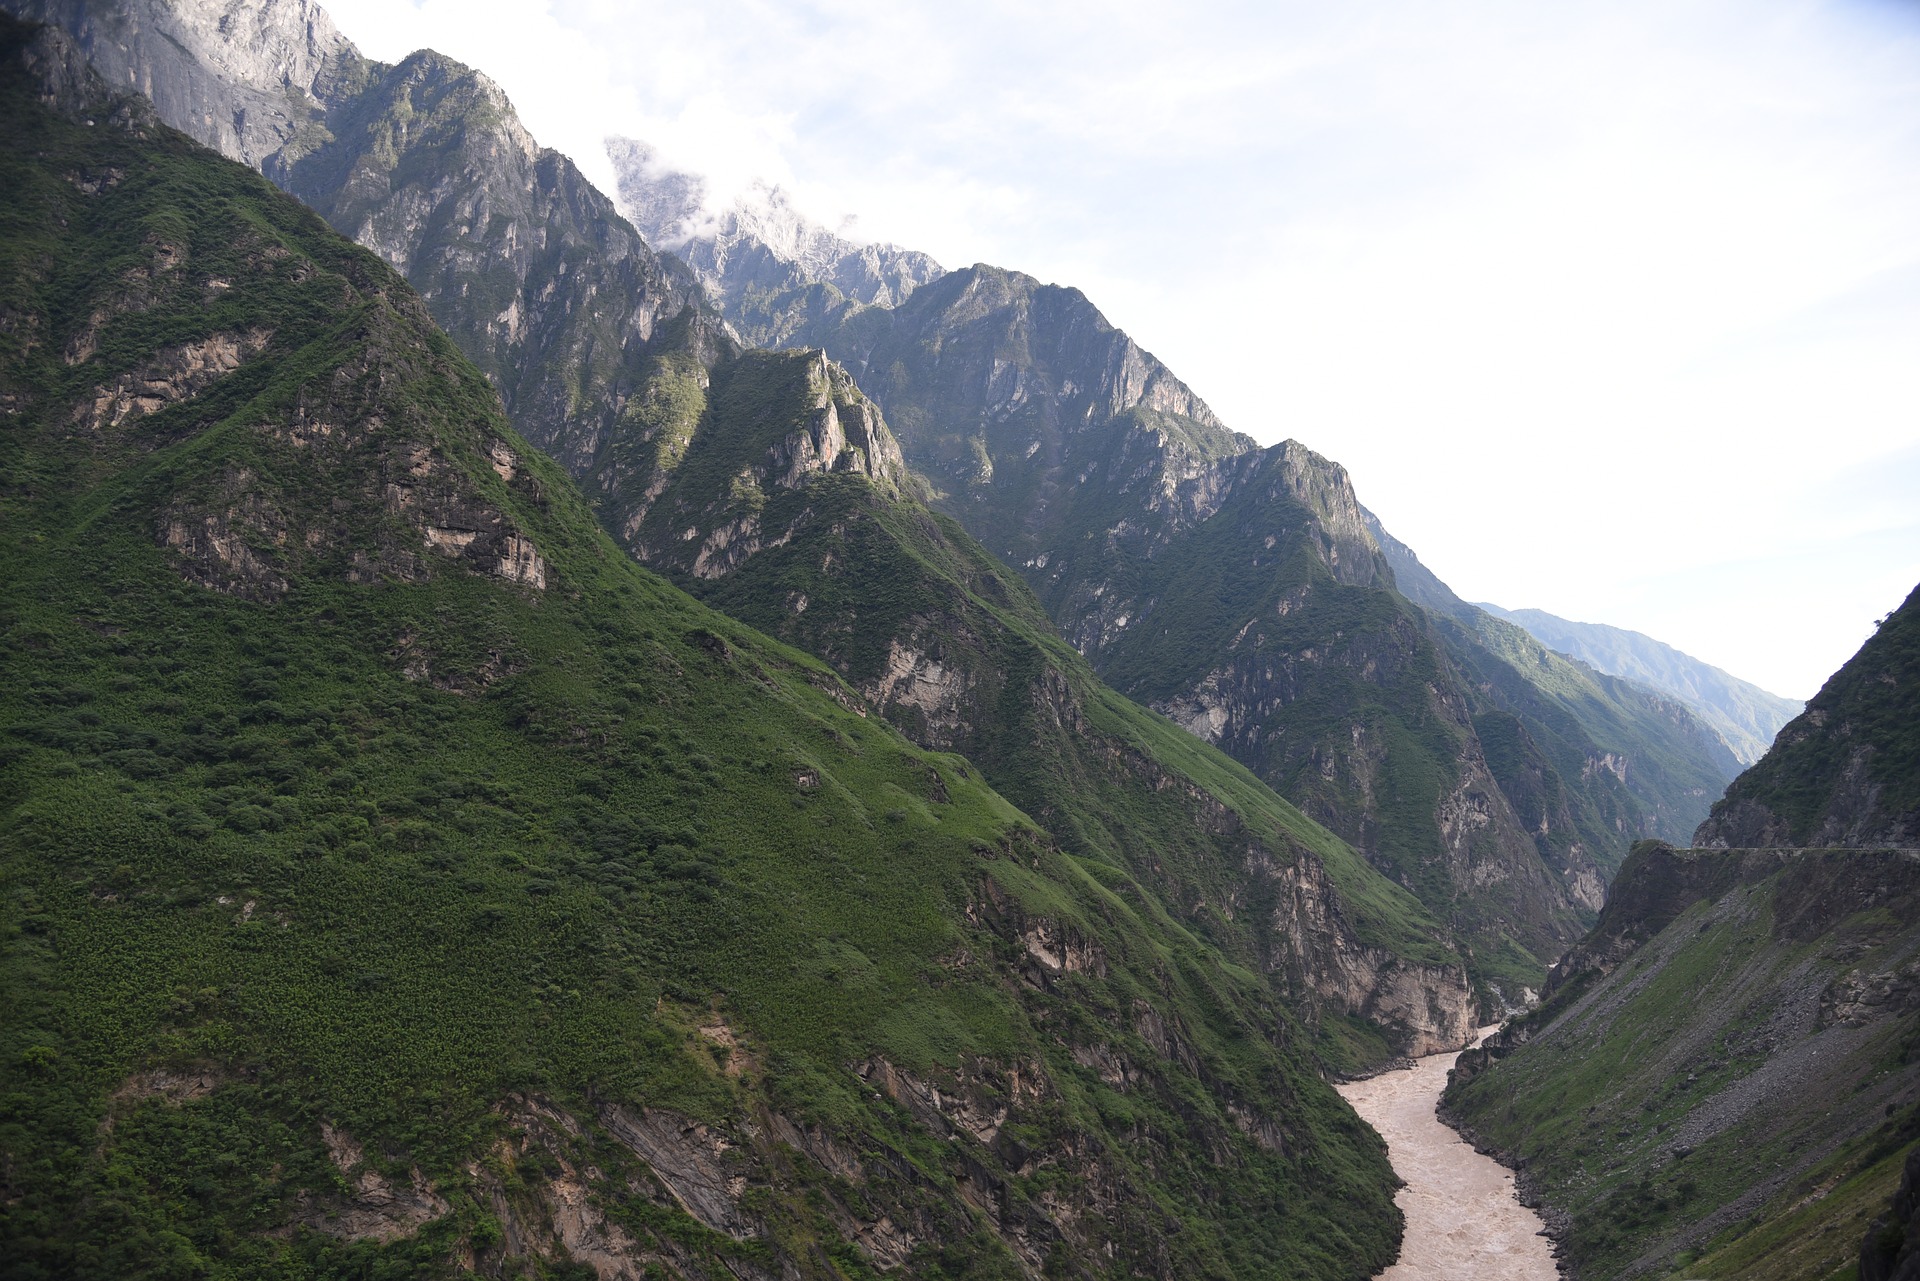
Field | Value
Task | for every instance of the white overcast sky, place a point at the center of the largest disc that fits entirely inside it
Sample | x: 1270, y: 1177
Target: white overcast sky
x: 1611, y: 309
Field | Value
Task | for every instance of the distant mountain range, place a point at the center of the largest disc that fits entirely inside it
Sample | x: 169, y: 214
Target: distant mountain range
x: 1745, y: 716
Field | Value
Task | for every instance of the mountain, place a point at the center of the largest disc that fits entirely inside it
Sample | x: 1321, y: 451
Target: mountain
x: 1725, y: 1073
x: 1847, y: 770
x: 531, y: 269
x: 1745, y: 716
x: 784, y: 500
x: 1722, y: 1081
x: 1646, y: 762
x: 759, y: 246
x: 1241, y: 591
x: 401, y: 880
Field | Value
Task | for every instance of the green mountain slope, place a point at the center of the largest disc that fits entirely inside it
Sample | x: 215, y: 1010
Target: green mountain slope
x: 786, y: 503
x: 1745, y: 716
x: 1723, y: 1082
x: 399, y: 881
x: 1847, y: 770
x: 1075, y: 456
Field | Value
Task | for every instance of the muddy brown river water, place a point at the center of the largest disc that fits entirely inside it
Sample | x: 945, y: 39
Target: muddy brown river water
x: 1462, y: 1219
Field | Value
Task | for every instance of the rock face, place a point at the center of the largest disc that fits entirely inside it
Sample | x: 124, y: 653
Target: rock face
x: 1745, y: 716
x: 252, y: 81
x: 529, y: 268
x: 1847, y: 770
x: 758, y: 247
x: 1685, y: 1076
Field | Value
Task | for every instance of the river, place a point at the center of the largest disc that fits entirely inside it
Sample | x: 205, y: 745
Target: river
x: 1463, y: 1222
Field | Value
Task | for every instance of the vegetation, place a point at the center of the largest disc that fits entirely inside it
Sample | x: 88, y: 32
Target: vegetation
x: 332, y: 852
x: 1716, y: 1097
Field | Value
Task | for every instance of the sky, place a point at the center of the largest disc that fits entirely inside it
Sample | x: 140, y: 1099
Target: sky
x: 1610, y: 309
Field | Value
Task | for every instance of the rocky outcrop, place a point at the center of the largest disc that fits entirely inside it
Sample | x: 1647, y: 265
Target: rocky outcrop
x: 1425, y: 1008
x: 759, y: 245
x: 720, y: 477
x: 377, y: 1207
x: 244, y: 534
x: 173, y: 375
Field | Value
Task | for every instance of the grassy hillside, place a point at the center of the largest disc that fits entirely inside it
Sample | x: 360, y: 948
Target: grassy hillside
x: 399, y: 881
x: 1724, y: 1082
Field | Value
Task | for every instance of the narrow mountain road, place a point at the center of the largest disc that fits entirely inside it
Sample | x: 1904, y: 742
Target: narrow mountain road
x: 1463, y: 1223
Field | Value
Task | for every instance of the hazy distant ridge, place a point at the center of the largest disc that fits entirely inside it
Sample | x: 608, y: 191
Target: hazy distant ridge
x: 1743, y: 714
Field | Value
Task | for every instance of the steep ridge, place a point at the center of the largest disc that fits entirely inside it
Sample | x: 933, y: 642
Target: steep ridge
x: 1745, y: 716
x: 1724, y: 1076
x: 1643, y: 765
x: 521, y: 260
x: 787, y: 504
x: 1847, y: 770
x: 759, y: 247
x: 398, y: 879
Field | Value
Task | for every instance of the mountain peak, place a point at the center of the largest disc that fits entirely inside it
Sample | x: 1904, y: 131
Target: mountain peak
x: 760, y: 243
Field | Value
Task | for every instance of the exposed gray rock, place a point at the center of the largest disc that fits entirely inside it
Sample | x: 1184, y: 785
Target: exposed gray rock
x: 758, y: 245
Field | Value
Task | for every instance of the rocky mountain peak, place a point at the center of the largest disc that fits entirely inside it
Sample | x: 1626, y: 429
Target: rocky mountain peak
x: 1323, y: 487
x: 760, y: 243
